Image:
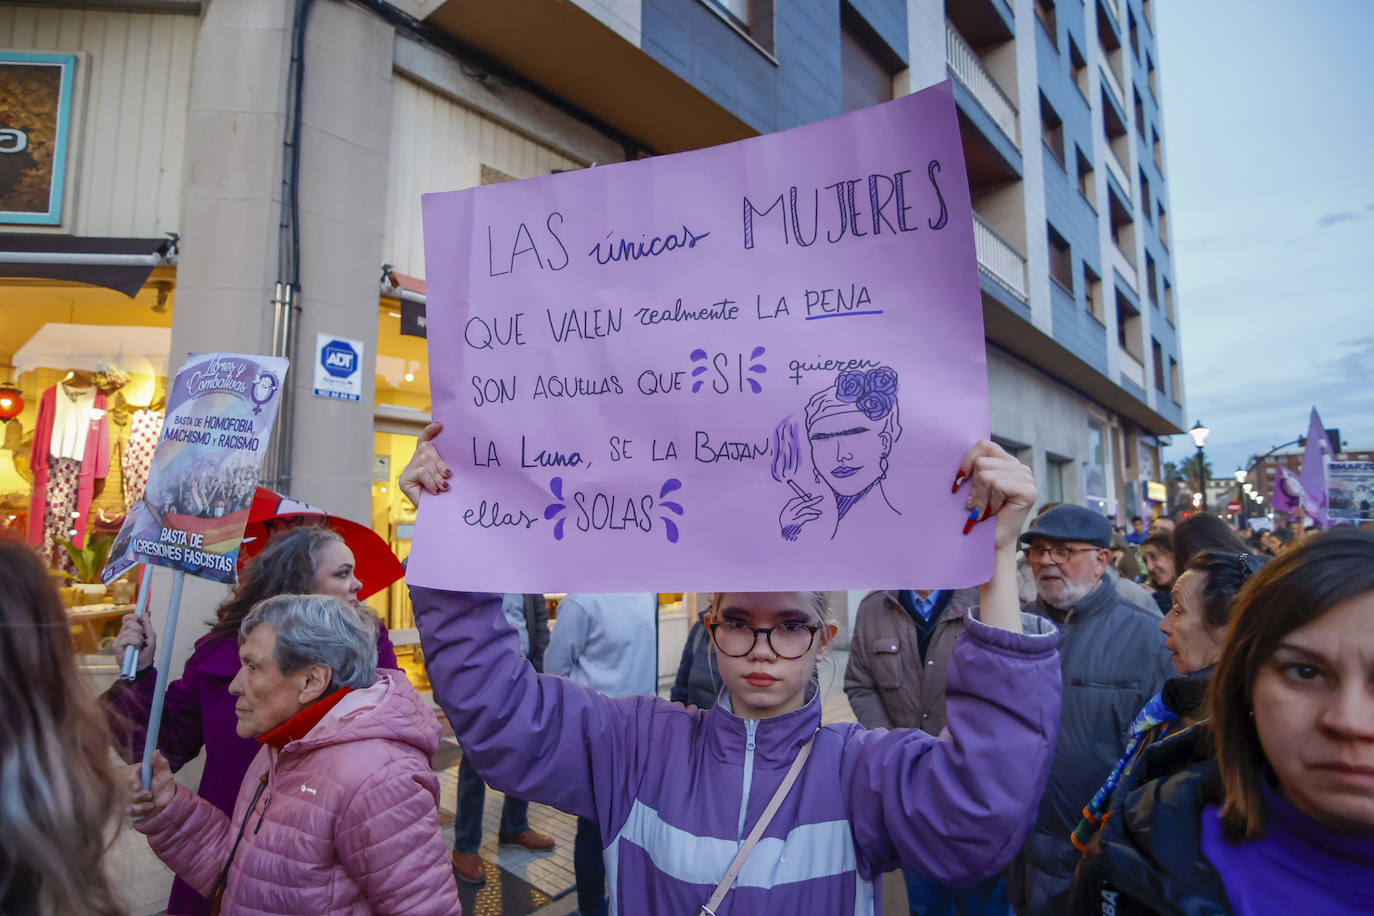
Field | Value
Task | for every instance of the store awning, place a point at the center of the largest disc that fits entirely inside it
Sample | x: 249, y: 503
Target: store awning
x: 411, y: 291
x: 119, y: 264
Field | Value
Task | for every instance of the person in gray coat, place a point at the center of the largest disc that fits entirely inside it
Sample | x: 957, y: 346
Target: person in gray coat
x: 1112, y: 659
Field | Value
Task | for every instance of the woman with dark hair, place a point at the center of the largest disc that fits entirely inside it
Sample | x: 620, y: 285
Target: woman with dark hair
x: 1204, y: 532
x: 199, y: 711
x: 1195, y: 628
x: 1269, y: 807
x: 60, y: 793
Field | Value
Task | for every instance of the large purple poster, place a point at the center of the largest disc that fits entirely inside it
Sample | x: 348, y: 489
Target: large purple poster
x: 750, y: 367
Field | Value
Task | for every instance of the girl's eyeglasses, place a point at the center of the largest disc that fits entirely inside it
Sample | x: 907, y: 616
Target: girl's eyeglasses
x: 789, y: 640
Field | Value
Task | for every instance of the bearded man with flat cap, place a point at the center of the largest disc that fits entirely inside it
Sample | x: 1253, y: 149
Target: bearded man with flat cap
x: 1113, y: 661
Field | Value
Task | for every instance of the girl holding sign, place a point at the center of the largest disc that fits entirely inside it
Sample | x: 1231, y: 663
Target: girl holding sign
x: 754, y: 806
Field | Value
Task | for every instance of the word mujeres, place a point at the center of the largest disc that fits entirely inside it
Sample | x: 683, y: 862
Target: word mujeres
x: 884, y: 200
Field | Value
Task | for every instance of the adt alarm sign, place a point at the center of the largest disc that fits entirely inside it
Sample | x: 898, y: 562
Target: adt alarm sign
x: 338, y: 368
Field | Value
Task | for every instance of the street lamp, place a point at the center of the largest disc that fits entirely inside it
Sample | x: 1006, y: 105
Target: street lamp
x: 1244, y: 486
x: 1200, y: 434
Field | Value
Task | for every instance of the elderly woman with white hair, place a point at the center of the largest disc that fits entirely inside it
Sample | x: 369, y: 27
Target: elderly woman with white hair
x: 338, y: 812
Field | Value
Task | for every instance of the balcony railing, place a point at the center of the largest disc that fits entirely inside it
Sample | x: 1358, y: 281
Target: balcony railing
x: 1118, y: 172
x: 1125, y: 265
x: 1132, y: 369
x: 968, y: 69
x: 1113, y: 82
x: 999, y: 259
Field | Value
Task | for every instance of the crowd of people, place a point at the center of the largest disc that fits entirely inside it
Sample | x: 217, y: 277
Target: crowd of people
x: 1175, y: 718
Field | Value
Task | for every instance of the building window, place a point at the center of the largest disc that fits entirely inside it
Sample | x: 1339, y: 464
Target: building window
x: 1044, y: 11
x: 1163, y: 225
x: 1055, y: 472
x: 1139, y: 111
x: 1061, y: 260
x: 1158, y: 352
x: 1150, y: 72
x: 1079, y: 67
x: 1159, y: 154
x: 1086, y: 182
x: 865, y: 71
x: 1169, y: 301
x: 1173, y: 380
x: 1150, y: 274
x: 1130, y: 28
x: 1018, y: 450
x: 1123, y: 226
x: 752, y: 17
x: 1095, y: 467
x: 1145, y: 206
x: 1128, y: 329
x: 1149, y: 14
x: 1092, y: 293
x: 1052, y: 129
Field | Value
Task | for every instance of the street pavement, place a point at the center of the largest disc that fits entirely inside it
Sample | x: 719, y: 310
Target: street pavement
x: 519, y: 883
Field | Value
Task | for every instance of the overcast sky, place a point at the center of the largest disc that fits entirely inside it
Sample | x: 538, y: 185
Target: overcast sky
x: 1268, y: 110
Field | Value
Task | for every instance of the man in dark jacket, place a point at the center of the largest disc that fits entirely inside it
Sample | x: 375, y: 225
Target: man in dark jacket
x: 1113, y: 660
x: 898, y: 660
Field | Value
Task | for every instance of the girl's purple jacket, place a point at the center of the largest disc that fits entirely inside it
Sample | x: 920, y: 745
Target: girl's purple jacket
x: 675, y: 789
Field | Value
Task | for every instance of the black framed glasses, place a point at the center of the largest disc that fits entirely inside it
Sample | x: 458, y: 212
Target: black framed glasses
x: 736, y: 638
x: 1058, y: 553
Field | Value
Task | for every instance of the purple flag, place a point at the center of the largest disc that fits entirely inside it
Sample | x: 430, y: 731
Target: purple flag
x: 1314, y: 462
x: 1288, y: 490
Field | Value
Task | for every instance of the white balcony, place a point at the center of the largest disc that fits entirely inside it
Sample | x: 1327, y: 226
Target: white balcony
x: 1118, y: 172
x: 1132, y: 369
x: 1110, y: 78
x: 999, y: 259
x: 968, y: 69
x: 1125, y: 265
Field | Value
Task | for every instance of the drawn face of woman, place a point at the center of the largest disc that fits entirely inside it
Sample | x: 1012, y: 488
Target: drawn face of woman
x: 847, y: 450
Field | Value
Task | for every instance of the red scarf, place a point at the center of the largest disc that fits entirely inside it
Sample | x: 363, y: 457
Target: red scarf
x: 299, y: 725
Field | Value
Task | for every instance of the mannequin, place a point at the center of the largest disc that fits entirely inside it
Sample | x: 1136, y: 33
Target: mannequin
x: 70, y: 458
x: 145, y: 426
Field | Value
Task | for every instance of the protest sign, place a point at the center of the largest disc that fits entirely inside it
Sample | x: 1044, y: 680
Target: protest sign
x: 755, y: 366
x: 1350, y: 491
x: 220, y: 410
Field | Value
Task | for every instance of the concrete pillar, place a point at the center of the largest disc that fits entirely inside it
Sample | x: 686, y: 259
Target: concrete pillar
x: 232, y: 206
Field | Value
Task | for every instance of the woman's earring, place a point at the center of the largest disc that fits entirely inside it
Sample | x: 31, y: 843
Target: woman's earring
x: 818, y: 475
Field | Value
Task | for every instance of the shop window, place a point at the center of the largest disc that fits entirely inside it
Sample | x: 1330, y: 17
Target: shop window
x: 90, y: 367
x: 1056, y: 478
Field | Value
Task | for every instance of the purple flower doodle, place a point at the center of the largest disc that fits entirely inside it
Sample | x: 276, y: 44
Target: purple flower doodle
x: 876, y: 404
x: 850, y: 385
x: 882, y: 379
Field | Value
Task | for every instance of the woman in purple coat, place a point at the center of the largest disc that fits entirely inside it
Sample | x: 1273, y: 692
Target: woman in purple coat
x: 679, y: 793
x: 199, y: 710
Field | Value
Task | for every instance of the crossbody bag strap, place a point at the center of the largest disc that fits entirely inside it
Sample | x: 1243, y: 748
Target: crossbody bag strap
x: 774, y: 803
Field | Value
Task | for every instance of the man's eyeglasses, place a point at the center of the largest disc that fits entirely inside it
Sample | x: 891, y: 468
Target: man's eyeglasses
x: 1058, y: 553
x: 736, y: 638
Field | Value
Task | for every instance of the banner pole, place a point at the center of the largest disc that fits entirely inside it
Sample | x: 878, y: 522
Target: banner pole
x: 129, y: 670
x: 163, y: 668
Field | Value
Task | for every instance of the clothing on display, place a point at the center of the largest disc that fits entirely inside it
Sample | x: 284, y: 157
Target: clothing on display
x: 70, y: 451
x: 144, y: 428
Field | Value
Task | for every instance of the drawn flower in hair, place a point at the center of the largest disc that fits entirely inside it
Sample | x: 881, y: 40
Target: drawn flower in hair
x: 882, y: 379
x: 876, y: 404
x: 850, y: 385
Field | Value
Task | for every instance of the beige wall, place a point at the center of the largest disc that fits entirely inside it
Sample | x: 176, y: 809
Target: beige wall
x: 133, y: 84
x: 440, y: 145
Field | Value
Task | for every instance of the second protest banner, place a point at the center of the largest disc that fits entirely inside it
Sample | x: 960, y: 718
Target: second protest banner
x: 750, y: 367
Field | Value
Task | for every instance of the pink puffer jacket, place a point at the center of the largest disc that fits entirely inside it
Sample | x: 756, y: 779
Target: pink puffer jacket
x: 348, y: 822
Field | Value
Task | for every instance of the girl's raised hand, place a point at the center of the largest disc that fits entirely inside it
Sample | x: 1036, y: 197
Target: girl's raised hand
x: 998, y: 486
x: 426, y: 472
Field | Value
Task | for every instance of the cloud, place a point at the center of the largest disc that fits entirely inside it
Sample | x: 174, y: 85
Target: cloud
x: 1369, y: 207
x: 1331, y: 219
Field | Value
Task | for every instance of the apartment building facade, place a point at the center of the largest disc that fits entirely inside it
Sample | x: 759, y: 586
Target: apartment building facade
x: 246, y: 175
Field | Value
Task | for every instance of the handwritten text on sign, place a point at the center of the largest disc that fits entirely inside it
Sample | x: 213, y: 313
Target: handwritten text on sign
x: 749, y: 367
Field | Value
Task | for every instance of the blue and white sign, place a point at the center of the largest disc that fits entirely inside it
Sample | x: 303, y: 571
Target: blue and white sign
x: 338, y: 368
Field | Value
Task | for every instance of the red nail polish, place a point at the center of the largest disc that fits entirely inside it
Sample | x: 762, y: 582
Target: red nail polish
x: 957, y: 481
x: 972, y: 520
